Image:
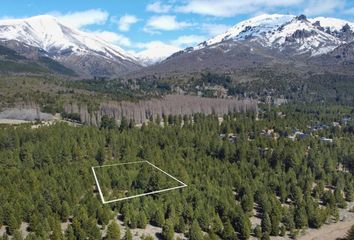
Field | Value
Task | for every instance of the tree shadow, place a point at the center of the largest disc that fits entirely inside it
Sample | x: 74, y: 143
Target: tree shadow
x: 159, y: 236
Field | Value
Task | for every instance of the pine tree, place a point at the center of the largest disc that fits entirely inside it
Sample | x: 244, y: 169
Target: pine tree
x: 258, y: 232
x: 69, y: 233
x: 212, y: 236
x: 188, y: 213
x: 159, y: 219
x: 282, y: 231
x: 17, y: 235
x: 128, y: 235
x: 300, y: 217
x: 350, y: 234
x: 5, y: 237
x: 349, y: 193
x: 158, y: 120
x: 105, y: 216
x: 275, y: 221
x: 339, y: 198
x: 65, y: 211
x: 283, y: 194
x: 245, y: 227
x: 181, y: 226
x: 266, y: 223
x: 171, y: 212
x: 265, y: 236
x: 56, y: 232
x: 229, y: 232
x: 288, y: 220
x: 91, y: 229
x: 100, y: 156
x: 315, y: 218
x: 247, y: 201
x: 123, y: 124
x: 195, y: 233
x: 108, y: 122
x: 168, y: 231
x: 13, y: 224
x: 204, y: 220
x: 113, y: 232
x: 142, y: 220
x: 31, y: 236
x: 26, y: 155
x: 217, y: 226
x: 79, y: 233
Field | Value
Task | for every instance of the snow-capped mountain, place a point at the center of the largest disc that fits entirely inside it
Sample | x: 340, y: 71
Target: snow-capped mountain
x: 85, y: 52
x: 331, y: 24
x: 265, y: 41
x: 296, y: 34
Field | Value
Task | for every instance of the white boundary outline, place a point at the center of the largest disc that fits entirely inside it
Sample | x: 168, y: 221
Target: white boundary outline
x: 139, y: 195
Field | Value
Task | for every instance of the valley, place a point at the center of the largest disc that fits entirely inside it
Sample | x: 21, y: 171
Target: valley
x: 256, y: 121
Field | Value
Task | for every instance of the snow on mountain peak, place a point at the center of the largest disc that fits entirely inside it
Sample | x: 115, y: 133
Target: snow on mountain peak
x: 285, y: 31
x: 298, y: 33
x: 333, y: 24
x: 47, y: 33
x: 257, y: 25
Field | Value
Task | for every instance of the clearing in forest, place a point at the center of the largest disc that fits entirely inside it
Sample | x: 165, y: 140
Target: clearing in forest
x: 122, y: 181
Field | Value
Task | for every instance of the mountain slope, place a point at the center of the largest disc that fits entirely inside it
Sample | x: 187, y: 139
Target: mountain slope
x: 340, y: 60
x: 84, y: 52
x: 11, y: 61
x: 285, y: 33
x: 266, y: 40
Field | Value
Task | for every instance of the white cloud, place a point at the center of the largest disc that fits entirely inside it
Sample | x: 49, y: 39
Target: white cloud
x: 165, y: 23
x: 158, y: 7
x: 125, y: 22
x: 5, y: 17
x: 82, y: 19
x: 156, y: 50
x: 188, y: 40
x: 318, y: 7
x: 229, y: 8
x: 113, y: 37
x: 214, y: 29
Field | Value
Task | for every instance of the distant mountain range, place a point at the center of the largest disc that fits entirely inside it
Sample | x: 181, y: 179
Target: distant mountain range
x: 295, y: 34
x: 268, y: 40
x: 86, y: 54
x: 265, y: 40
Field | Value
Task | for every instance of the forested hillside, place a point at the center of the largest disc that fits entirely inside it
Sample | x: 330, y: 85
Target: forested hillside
x: 245, y: 176
x: 88, y: 101
x: 13, y: 62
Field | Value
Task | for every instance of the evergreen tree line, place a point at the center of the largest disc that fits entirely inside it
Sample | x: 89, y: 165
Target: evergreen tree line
x: 46, y: 178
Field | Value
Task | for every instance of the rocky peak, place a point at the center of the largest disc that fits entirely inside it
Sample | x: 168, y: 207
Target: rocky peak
x: 301, y: 17
x: 346, y: 28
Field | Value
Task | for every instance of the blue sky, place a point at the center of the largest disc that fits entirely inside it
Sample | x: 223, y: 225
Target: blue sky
x: 161, y: 27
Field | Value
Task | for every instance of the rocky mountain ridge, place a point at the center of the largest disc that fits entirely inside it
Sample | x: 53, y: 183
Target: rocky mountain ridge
x: 85, y: 53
